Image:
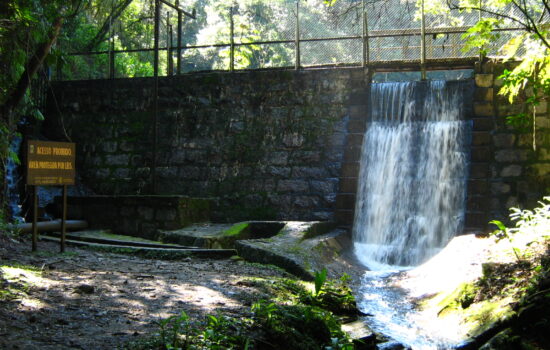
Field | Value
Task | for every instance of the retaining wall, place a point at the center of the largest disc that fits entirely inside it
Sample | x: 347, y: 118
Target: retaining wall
x: 267, y: 144
x: 276, y: 144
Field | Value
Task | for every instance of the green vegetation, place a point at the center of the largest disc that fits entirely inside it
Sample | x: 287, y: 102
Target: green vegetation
x: 236, y: 229
x: 294, y: 318
x: 528, y: 81
x: 16, y: 280
x: 178, y: 332
x: 513, y: 293
x: 531, y: 225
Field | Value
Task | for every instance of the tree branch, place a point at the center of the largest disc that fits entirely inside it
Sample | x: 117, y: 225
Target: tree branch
x: 546, y: 6
x: 100, y: 36
x: 530, y: 25
x: 31, y: 68
x: 533, y: 27
x: 497, y: 14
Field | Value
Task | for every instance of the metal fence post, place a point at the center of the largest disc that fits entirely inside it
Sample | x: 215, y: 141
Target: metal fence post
x: 180, y: 23
x: 155, y: 97
x: 423, y: 42
x: 232, y: 41
x: 111, y: 50
x: 169, y: 61
x: 297, y: 37
x: 366, y: 49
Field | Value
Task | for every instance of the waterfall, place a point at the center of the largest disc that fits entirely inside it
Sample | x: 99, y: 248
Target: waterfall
x: 412, y: 179
x: 12, y: 180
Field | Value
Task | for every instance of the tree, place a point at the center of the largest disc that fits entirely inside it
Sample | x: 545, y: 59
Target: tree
x: 28, y: 30
x: 115, y: 13
x: 530, y: 45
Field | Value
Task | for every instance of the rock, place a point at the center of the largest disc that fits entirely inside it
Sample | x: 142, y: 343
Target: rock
x: 361, y: 335
x: 84, y: 289
x: 391, y: 345
x: 503, y: 340
x: 62, y: 321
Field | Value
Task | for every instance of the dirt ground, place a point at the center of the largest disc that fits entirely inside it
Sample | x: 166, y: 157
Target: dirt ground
x: 90, y: 300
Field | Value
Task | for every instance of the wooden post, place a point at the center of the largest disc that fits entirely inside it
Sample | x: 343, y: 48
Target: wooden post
x: 35, y: 219
x: 63, y: 220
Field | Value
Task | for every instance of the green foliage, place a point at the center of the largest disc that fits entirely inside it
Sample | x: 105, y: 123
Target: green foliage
x: 504, y: 232
x: 320, y: 279
x: 294, y: 319
x: 335, y: 296
x: 299, y: 326
x: 531, y: 223
x: 481, y: 35
x: 171, y: 329
x: 532, y: 77
x: 530, y: 45
x: 178, y: 332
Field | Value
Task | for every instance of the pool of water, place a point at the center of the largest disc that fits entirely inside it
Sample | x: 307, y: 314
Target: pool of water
x: 391, y: 296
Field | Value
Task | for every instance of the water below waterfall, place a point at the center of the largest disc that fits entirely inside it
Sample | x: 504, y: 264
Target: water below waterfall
x: 410, y: 199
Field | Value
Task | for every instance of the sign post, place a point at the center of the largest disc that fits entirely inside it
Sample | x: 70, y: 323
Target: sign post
x: 50, y: 164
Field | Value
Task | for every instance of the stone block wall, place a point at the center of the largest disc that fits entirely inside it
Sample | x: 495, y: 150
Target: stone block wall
x: 267, y: 144
x: 136, y: 215
x: 505, y: 169
x: 277, y: 144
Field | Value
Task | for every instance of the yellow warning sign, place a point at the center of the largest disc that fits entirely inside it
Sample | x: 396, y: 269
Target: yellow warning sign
x: 50, y: 163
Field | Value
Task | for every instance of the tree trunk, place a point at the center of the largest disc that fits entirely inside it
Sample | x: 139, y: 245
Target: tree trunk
x: 31, y: 68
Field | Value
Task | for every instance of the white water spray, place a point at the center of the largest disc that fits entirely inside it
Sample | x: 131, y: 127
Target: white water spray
x: 413, y: 173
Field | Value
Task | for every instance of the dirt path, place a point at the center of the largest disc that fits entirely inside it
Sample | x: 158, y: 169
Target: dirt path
x: 91, y: 300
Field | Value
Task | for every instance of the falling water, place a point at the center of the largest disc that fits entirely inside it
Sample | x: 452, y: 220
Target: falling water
x: 413, y: 172
x: 12, y: 181
x: 410, y: 202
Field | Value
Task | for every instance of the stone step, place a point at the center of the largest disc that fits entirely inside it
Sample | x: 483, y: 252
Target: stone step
x: 78, y: 236
x: 148, y: 252
x: 210, y: 235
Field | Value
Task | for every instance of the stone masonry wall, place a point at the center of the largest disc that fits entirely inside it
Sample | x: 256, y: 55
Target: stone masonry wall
x: 137, y: 215
x: 505, y: 171
x: 278, y: 144
x: 268, y: 144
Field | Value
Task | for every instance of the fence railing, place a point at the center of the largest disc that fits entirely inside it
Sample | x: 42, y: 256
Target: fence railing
x: 363, y: 34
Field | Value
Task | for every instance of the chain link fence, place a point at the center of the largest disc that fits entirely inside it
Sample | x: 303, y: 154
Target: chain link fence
x: 248, y: 34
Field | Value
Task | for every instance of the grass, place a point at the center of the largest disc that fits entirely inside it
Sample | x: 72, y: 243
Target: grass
x: 17, y: 279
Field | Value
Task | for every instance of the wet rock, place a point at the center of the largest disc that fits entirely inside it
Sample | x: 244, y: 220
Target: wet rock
x: 503, y: 340
x: 391, y: 345
x: 362, y: 336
